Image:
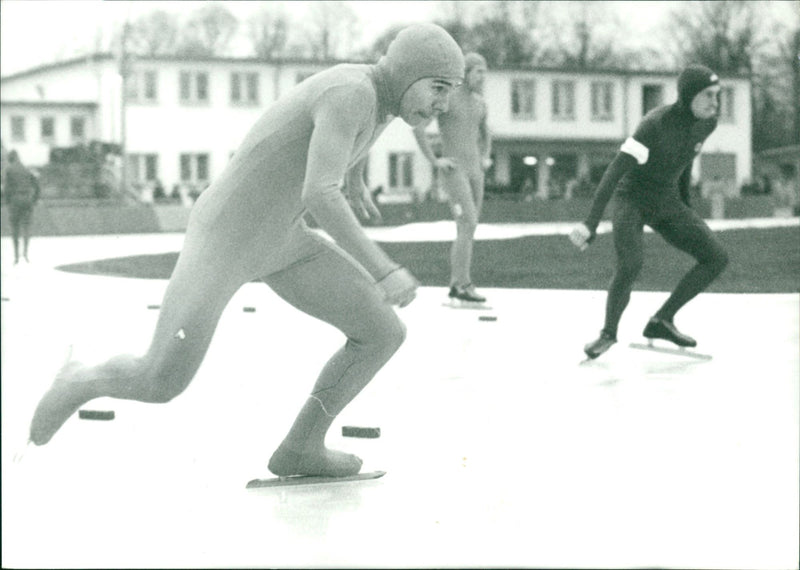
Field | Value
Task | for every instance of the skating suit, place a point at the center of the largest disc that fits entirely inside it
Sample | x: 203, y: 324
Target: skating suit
x: 664, y: 146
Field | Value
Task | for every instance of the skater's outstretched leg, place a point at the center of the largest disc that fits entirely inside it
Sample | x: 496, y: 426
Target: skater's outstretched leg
x: 331, y: 288
x: 189, y: 314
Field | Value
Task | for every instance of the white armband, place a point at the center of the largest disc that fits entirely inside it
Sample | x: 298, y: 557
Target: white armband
x: 636, y: 149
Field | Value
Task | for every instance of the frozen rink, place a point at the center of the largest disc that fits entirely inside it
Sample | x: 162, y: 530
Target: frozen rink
x: 501, y: 449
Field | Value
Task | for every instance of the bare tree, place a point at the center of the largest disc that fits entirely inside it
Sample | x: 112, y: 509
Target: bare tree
x: 582, y: 35
x: 747, y: 38
x: 501, y: 42
x: 793, y: 55
x: 208, y: 30
x: 776, y: 91
x: 723, y: 35
x: 332, y: 26
x: 493, y: 29
x: 268, y: 31
x: 381, y: 43
x: 154, y: 33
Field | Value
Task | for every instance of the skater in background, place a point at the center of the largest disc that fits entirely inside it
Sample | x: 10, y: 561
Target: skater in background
x: 650, y: 179
x: 786, y: 192
x: 466, y: 151
x: 248, y: 225
x: 22, y: 191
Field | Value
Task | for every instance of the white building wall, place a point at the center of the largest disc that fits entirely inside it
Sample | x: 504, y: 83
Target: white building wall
x: 734, y: 137
x: 170, y: 127
x: 77, y: 82
x: 35, y: 151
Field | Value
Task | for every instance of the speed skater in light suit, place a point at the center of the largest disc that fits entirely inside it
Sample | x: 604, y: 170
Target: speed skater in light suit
x: 651, y: 174
x: 307, y: 148
x: 466, y: 154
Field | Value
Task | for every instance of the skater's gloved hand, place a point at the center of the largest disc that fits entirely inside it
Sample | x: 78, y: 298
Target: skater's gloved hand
x: 399, y: 287
x: 444, y: 163
x: 581, y: 236
x: 360, y: 199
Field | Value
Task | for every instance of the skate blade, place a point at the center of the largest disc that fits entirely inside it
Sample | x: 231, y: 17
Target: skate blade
x: 456, y: 304
x: 311, y: 480
x: 677, y: 351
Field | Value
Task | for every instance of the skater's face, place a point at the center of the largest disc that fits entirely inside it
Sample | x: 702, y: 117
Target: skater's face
x: 475, y: 78
x: 425, y: 99
x: 706, y: 103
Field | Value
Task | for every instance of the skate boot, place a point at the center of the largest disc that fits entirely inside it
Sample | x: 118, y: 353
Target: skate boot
x: 599, y: 346
x: 661, y: 328
x: 465, y: 293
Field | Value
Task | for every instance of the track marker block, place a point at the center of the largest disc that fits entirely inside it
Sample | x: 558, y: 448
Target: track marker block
x: 153, y: 306
x: 96, y: 415
x: 249, y: 309
x: 490, y: 318
x: 365, y: 432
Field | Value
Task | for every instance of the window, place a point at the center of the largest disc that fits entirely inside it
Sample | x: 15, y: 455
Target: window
x: 563, y: 99
x: 652, y: 97
x: 77, y: 128
x: 523, y: 98
x: 236, y: 87
x: 18, y: 129
x: 142, y: 87
x: 143, y: 167
x: 251, y: 79
x: 244, y: 87
x: 401, y: 171
x: 194, y: 167
x: 726, y: 105
x: 48, y: 129
x: 602, y: 101
x: 193, y: 87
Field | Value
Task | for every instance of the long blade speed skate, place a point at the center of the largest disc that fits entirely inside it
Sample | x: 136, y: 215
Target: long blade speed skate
x: 678, y: 351
x: 308, y: 480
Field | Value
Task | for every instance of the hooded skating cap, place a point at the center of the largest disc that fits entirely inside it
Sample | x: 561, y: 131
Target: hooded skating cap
x: 692, y: 81
x: 417, y: 52
x: 472, y: 59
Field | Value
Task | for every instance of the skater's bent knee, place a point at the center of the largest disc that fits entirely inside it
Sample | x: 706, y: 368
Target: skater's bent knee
x: 629, y: 269
x: 393, y: 334
x: 164, y: 386
x: 717, y: 261
x: 723, y: 259
x: 467, y: 224
x: 389, y: 335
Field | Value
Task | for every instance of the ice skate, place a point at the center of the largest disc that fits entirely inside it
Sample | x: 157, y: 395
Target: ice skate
x: 661, y: 328
x: 326, y: 462
x: 465, y: 297
x: 309, y: 468
x: 599, y: 346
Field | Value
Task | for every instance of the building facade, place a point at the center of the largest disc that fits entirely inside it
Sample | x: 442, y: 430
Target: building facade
x: 180, y: 120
